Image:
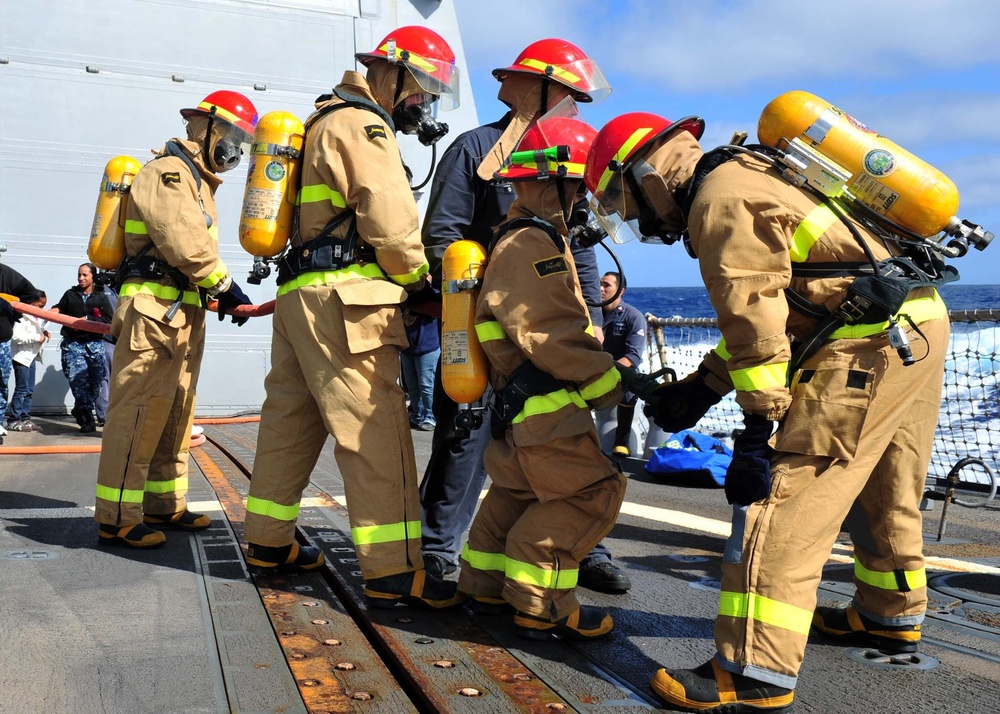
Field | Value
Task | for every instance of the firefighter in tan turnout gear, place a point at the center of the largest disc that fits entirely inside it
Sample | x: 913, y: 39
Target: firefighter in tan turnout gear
x: 855, y: 426
x: 338, y: 326
x: 554, y: 495
x: 171, y: 262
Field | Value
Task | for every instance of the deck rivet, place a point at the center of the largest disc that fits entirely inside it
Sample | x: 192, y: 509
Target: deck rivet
x: 298, y: 655
x: 444, y: 664
x: 345, y: 666
x: 424, y: 641
x: 332, y: 643
x: 310, y: 682
x: 405, y: 620
x: 555, y: 706
x: 363, y: 696
x: 470, y: 692
x: 310, y: 604
x: 320, y: 622
x: 288, y: 633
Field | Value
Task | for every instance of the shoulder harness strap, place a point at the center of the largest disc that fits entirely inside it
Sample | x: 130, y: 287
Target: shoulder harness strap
x: 527, y: 222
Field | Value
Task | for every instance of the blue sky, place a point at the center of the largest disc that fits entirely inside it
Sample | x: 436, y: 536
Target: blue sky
x: 925, y: 74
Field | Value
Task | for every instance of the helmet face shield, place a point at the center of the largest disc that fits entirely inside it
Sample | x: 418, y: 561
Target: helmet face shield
x: 582, y: 76
x: 434, y: 76
x: 609, y: 211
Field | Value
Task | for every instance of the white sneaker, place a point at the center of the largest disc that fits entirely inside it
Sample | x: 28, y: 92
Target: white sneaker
x: 197, y: 430
x: 3, y: 430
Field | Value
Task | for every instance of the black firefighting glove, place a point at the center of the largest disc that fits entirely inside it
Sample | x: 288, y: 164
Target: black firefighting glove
x: 675, y: 406
x: 6, y: 310
x: 748, y: 478
x: 233, y: 298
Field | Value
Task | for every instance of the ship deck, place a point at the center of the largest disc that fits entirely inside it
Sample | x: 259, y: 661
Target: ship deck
x: 184, y: 628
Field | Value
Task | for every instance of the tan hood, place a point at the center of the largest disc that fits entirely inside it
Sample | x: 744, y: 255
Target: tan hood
x: 193, y: 150
x: 523, y: 94
x: 540, y: 199
x: 382, y: 77
x: 673, y: 162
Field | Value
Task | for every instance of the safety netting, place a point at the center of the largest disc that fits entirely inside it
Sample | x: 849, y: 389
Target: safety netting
x: 969, y: 424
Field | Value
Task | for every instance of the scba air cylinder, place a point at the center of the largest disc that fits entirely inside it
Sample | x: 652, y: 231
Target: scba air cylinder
x: 107, y: 234
x: 884, y: 177
x: 272, y: 184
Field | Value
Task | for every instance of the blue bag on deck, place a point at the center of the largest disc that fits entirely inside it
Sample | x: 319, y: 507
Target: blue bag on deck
x: 692, y: 458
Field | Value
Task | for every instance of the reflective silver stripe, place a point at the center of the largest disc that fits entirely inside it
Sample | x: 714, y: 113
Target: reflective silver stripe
x: 821, y: 127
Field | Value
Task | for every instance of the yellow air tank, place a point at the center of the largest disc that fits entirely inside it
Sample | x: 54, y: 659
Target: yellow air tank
x: 107, y: 235
x: 885, y: 177
x: 464, y: 372
x: 272, y: 184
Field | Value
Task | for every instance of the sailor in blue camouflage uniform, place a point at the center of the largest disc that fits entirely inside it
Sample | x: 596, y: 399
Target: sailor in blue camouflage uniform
x: 82, y: 350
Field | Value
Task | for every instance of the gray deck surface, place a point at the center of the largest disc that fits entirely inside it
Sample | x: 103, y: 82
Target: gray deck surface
x: 87, y: 628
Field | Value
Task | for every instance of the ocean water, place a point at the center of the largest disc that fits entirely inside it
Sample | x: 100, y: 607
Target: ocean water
x: 969, y: 424
x: 693, y: 302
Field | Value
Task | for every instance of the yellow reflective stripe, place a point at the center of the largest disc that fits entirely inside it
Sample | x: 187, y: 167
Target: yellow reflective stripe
x: 164, y: 292
x: 481, y: 560
x: 412, y: 58
x: 619, y: 158
x: 556, y: 71
x: 815, y: 224
x: 887, y: 581
x: 171, y: 486
x: 325, y: 277
x: 922, y: 309
x: 720, y: 349
x: 762, y: 609
x: 321, y: 192
x: 602, y: 385
x: 388, y: 533
x: 553, y: 166
x: 215, y: 277
x: 548, y: 403
x: 219, y: 111
x: 270, y: 509
x: 491, y: 330
x: 541, y: 577
x: 760, y: 378
x: 590, y: 329
x: 136, y: 227
x: 117, y: 495
x: 411, y: 277
x: 213, y: 231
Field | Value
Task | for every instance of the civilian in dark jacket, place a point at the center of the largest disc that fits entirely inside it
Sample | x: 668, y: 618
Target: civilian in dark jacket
x: 83, y: 351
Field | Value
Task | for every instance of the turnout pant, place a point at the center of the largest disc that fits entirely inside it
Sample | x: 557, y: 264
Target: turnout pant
x: 322, y: 383
x: 857, y: 439
x: 144, y: 452
x: 547, y: 507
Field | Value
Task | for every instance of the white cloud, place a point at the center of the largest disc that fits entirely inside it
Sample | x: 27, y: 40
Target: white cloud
x: 719, y: 44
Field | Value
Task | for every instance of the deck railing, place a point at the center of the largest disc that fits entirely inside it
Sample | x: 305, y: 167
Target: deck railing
x: 970, y: 411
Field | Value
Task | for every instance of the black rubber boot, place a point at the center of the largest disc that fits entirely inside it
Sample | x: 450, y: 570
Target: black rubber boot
x: 709, y: 688
x: 291, y: 558
x: 77, y: 413
x: 851, y: 627
x: 181, y: 521
x: 623, y: 430
x: 587, y: 623
x: 89, y: 423
x: 135, y: 536
x: 489, y: 606
x: 417, y: 588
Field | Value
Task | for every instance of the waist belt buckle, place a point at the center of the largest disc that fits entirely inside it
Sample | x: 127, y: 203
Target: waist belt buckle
x: 853, y: 312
